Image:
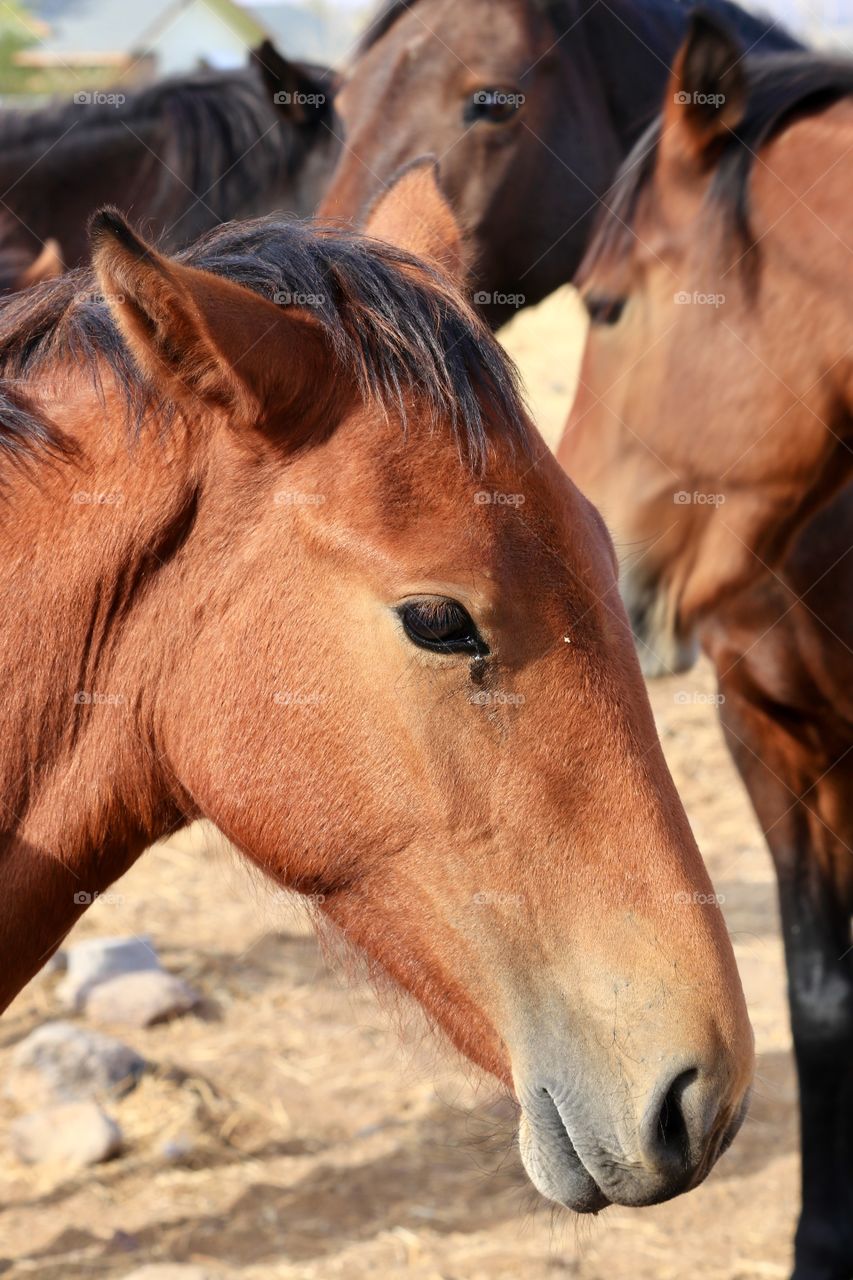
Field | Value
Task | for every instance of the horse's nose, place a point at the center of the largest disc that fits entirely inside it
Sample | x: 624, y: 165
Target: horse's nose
x: 587, y: 1148
x: 688, y: 1123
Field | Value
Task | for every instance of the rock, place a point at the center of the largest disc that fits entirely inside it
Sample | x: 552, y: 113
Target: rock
x: 140, y: 999
x: 172, y: 1271
x: 98, y: 959
x: 58, y: 963
x: 59, y: 1062
x: 76, y: 1134
x: 177, y: 1149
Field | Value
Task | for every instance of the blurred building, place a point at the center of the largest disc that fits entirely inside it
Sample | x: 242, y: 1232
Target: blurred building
x: 320, y: 32
x: 110, y: 40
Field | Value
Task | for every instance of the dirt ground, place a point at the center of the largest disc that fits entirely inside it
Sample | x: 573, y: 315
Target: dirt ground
x: 287, y: 1132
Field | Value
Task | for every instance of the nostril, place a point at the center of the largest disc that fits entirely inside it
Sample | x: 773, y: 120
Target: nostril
x: 669, y: 1136
x: 673, y: 1139
x: 690, y: 1120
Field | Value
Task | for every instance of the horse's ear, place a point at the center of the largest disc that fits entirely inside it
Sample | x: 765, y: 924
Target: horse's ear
x: 204, y: 340
x: 414, y: 214
x: 47, y: 266
x: 297, y: 91
x: 706, y: 95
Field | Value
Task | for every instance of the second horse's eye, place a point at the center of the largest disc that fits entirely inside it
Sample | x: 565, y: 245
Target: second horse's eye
x: 495, y: 106
x: 604, y: 310
x: 442, y: 626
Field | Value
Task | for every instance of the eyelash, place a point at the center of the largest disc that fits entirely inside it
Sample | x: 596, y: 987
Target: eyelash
x: 442, y: 626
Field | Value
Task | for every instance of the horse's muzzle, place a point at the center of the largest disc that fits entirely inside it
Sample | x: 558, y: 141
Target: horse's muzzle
x: 581, y: 1158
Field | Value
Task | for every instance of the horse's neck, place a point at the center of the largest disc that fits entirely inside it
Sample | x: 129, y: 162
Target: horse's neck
x: 83, y: 638
x: 226, y: 154
x: 185, y: 155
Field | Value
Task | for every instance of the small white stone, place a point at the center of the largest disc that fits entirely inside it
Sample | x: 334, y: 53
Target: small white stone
x: 59, y: 1062
x: 140, y: 999
x: 98, y: 959
x: 75, y: 1134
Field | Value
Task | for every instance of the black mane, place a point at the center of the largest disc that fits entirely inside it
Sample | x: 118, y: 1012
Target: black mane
x: 403, y: 330
x: 781, y: 87
x: 208, y: 123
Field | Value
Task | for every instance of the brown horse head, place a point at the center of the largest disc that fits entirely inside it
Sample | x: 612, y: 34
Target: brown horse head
x: 714, y: 410
x: 348, y: 607
x: 530, y: 105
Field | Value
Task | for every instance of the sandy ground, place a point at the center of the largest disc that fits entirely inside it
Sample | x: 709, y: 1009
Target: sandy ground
x: 289, y: 1132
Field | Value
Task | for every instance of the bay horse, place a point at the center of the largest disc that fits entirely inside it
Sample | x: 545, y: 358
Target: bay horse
x: 713, y: 426
x: 530, y: 105
x: 180, y: 155
x: 276, y: 555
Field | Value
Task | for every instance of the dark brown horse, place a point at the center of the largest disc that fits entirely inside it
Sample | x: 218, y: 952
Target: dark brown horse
x: 235, y: 587
x: 180, y: 157
x: 713, y: 425
x: 529, y: 105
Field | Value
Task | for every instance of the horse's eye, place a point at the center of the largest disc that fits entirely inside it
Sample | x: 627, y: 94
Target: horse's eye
x: 495, y: 106
x: 442, y: 626
x: 604, y: 310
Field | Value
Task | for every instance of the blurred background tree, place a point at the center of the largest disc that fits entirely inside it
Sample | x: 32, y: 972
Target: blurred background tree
x: 19, y: 30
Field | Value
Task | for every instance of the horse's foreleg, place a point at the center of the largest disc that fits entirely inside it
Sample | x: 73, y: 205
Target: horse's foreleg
x: 816, y: 926
x: 798, y: 810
